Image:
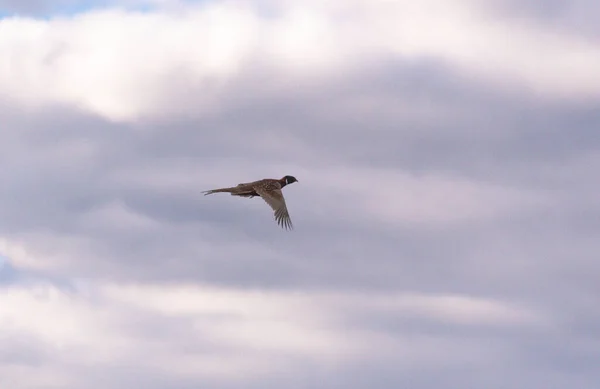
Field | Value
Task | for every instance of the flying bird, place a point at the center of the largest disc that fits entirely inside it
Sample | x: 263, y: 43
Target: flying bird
x: 270, y: 190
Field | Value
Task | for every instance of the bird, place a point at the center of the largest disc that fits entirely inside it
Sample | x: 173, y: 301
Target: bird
x: 270, y: 191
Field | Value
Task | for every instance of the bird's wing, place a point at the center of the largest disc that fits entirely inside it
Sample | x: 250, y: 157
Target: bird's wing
x: 274, y: 197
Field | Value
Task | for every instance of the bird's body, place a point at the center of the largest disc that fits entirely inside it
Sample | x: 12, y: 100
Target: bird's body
x: 270, y: 190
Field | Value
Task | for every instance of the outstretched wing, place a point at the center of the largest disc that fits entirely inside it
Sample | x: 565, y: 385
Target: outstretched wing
x: 275, y: 199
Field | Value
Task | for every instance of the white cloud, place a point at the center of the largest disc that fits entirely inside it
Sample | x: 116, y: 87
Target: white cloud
x: 101, y: 327
x: 125, y: 65
x: 203, y: 332
x: 17, y: 253
x: 48, y: 253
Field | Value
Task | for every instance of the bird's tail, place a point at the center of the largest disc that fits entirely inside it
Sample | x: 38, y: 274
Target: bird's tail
x: 221, y: 190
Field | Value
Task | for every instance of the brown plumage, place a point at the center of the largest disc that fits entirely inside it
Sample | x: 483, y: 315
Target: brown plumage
x: 270, y: 190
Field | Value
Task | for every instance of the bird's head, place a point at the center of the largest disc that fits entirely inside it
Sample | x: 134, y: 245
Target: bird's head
x: 289, y: 179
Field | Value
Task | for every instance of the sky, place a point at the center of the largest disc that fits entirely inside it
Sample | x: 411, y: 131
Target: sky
x: 446, y: 217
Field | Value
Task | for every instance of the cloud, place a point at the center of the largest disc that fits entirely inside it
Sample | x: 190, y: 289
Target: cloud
x: 445, y: 215
x: 155, y: 63
x: 196, y: 329
x: 573, y: 18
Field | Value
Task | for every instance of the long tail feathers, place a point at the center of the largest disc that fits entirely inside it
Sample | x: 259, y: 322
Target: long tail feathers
x: 222, y: 190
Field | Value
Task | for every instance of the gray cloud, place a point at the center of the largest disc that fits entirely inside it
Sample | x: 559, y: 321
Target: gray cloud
x: 572, y: 17
x: 106, y: 202
x: 77, y: 173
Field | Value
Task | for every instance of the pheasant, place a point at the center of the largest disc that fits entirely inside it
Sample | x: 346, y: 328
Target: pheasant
x: 270, y: 190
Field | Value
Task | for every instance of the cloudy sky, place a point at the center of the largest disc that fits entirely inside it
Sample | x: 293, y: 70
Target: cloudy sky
x: 446, y: 217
